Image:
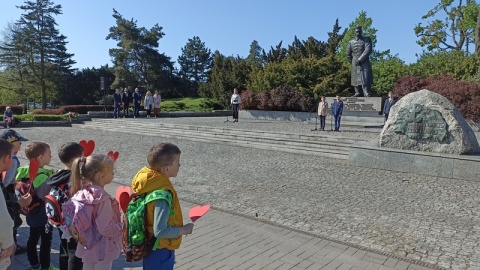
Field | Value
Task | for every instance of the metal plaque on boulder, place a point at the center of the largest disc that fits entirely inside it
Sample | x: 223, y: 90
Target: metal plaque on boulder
x: 418, y: 122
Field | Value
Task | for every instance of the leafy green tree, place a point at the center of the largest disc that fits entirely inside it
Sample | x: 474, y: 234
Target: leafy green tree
x: 334, y: 39
x: 366, y: 23
x: 254, y: 58
x: 195, y: 61
x: 36, y: 51
x: 226, y: 74
x: 84, y: 86
x: 455, y: 31
x: 136, y: 59
x: 386, y: 71
x: 311, y: 76
x: 275, y: 55
x: 457, y: 64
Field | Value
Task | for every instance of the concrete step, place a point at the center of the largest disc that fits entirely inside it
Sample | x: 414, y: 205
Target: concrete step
x: 323, y: 138
x: 319, y: 145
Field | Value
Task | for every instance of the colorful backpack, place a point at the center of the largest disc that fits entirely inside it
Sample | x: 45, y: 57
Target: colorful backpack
x: 136, y: 246
x: 23, y: 187
x: 53, y: 204
x: 79, y: 221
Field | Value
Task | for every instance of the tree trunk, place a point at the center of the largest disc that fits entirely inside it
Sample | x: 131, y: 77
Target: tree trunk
x: 477, y: 35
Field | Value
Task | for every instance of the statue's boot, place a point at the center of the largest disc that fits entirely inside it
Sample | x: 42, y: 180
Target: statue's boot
x: 366, y: 91
x: 357, y: 91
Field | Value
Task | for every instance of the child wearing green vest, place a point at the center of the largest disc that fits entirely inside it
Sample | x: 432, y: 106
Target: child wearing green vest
x: 162, y: 222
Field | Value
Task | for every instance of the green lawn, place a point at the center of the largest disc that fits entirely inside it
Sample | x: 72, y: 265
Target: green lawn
x: 190, y: 104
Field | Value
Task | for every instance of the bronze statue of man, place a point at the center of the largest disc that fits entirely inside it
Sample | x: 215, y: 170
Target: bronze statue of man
x: 358, y: 53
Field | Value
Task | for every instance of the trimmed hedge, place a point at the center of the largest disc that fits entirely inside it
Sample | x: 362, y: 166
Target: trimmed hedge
x: 80, y: 109
x: 17, y: 109
x: 32, y: 117
x: 464, y: 95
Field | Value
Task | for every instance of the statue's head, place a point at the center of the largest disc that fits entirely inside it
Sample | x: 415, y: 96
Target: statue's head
x: 358, y: 31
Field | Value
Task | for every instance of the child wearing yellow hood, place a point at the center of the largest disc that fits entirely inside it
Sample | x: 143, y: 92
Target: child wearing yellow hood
x: 161, y: 221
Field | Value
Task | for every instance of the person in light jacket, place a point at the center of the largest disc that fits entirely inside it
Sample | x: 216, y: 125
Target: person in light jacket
x: 322, y: 112
x: 157, y: 98
x: 149, y: 103
x: 235, y: 102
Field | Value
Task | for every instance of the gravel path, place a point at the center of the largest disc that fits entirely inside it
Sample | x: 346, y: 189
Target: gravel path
x: 427, y: 218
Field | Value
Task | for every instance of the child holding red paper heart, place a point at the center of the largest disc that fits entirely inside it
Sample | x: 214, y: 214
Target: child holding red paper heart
x: 39, y: 154
x: 60, y: 183
x: 162, y: 222
x: 89, y: 177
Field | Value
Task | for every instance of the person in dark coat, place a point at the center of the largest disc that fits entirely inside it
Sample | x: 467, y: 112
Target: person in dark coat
x: 117, y: 101
x: 388, y: 105
x: 137, y: 99
x: 126, y: 98
x: 358, y: 53
x: 337, y: 110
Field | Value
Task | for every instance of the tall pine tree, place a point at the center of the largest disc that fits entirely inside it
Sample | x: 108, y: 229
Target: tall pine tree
x: 37, y: 49
x: 195, y: 61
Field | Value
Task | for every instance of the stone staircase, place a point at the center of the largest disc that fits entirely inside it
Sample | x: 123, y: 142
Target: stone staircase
x: 310, y: 144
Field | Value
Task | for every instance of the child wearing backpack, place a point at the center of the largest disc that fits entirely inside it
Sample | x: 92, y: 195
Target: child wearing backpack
x: 163, y: 221
x: 14, y: 204
x: 36, y: 217
x: 59, y: 194
x: 101, y: 244
x: 7, y: 245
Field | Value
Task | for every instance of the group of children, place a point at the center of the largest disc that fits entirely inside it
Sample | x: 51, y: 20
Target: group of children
x: 83, y: 180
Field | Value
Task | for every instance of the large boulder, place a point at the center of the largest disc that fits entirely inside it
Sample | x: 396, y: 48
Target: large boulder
x: 427, y: 121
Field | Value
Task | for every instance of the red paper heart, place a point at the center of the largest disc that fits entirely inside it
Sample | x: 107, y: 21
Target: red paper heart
x: 88, y: 147
x: 198, y: 211
x: 113, y: 155
x: 33, y: 168
x: 123, y: 196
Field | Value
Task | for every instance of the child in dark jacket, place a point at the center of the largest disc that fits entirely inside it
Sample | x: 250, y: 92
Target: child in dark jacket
x: 60, y: 185
x: 36, y: 217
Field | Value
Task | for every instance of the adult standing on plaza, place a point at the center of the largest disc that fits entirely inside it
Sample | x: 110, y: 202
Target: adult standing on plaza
x: 388, y: 105
x: 235, y: 102
x: 148, y: 102
x: 126, y: 97
x: 337, y: 110
x: 137, y: 99
x: 322, y: 112
x: 117, y: 101
x: 358, y: 53
x: 156, y: 103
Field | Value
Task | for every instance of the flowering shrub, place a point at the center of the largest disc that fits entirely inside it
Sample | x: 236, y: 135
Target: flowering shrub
x: 80, y: 109
x: 48, y: 111
x: 464, y: 95
x: 278, y: 99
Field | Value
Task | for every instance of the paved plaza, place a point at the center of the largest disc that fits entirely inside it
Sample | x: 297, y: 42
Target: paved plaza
x: 276, y: 210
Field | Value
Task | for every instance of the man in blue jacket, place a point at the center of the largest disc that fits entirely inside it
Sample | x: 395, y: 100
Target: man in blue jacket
x: 337, y: 110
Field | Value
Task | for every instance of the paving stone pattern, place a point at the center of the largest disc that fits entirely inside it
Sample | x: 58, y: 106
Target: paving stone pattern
x: 430, y: 219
